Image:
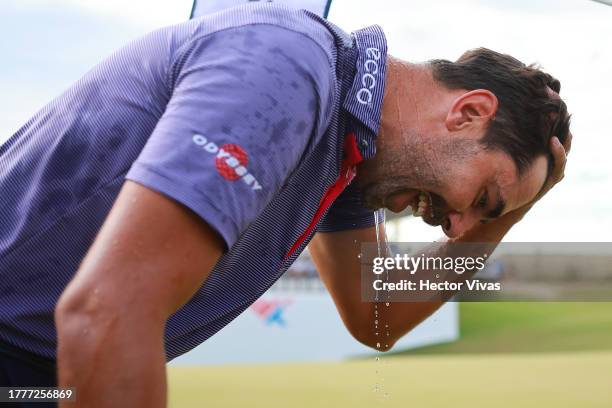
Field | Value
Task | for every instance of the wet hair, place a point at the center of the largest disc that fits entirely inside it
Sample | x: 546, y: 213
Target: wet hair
x: 528, y: 115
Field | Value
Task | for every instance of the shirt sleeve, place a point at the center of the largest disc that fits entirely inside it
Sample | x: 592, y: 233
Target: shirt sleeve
x: 245, y: 104
x: 347, y: 213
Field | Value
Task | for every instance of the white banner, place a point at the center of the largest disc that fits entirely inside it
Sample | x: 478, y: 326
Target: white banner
x: 302, y: 326
x: 202, y: 7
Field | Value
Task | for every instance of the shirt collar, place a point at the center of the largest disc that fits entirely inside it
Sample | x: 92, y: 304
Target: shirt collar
x: 365, y: 97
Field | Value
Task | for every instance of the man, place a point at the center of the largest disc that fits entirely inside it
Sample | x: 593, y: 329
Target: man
x: 224, y: 146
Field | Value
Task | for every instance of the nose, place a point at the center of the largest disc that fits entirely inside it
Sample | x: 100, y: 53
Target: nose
x: 457, y: 223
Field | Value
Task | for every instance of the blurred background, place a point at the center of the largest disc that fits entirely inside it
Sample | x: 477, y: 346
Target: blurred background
x: 290, y: 347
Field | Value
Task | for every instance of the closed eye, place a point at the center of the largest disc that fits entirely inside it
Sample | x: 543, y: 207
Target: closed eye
x: 483, y: 200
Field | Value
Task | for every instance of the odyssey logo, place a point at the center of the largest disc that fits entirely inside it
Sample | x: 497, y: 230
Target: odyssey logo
x: 230, y: 160
x: 368, y: 80
x: 271, y: 311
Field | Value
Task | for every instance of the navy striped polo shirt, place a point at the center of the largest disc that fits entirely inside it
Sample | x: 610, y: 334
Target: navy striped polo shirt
x: 254, y: 118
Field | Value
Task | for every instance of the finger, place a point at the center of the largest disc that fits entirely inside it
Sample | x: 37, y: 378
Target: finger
x: 568, y: 143
x: 559, y: 157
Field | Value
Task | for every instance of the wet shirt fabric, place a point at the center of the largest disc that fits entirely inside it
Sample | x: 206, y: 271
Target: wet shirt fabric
x: 242, y: 116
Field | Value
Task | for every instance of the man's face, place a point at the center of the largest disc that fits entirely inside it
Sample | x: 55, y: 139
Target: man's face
x: 456, y: 182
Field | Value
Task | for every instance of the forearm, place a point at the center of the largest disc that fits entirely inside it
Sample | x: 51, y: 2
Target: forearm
x: 99, y: 357
x: 493, y: 232
x: 338, y: 259
x: 401, y: 317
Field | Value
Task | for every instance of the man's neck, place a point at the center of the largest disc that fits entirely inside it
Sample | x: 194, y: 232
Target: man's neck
x: 412, y: 100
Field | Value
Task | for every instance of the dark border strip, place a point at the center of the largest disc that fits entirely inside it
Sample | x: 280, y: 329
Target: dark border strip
x: 193, y: 9
x: 327, y: 7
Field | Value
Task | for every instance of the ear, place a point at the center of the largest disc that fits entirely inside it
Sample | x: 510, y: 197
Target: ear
x: 475, y: 107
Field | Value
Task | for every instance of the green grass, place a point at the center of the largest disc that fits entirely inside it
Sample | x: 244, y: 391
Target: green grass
x: 528, y: 355
x: 569, y: 380
x: 529, y: 328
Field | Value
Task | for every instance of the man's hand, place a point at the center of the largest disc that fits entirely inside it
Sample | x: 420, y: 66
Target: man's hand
x: 559, y: 154
x: 150, y: 257
x: 495, y: 230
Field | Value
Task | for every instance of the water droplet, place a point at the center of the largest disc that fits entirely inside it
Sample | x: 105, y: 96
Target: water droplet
x: 377, y: 345
x: 387, y: 304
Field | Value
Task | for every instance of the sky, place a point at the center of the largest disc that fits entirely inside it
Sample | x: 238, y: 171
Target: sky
x: 48, y: 44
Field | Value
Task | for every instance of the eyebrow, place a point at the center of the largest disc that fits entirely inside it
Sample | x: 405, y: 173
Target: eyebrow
x: 500, y: 205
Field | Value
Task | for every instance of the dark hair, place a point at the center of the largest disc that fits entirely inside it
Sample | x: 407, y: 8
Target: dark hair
x: 528, y: 114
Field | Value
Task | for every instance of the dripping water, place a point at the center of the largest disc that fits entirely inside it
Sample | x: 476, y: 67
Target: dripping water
x: 381, y: 246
